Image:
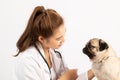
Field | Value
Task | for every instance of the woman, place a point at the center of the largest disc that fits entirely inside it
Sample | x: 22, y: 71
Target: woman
x: 37, y: 58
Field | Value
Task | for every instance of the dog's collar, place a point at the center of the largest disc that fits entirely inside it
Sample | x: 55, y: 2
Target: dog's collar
x: 104, y: 59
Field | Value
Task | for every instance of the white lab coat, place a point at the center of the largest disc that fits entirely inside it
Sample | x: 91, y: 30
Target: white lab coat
x: 31, y: 66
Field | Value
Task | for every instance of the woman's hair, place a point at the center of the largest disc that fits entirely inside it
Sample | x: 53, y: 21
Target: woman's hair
x: 42, y: 22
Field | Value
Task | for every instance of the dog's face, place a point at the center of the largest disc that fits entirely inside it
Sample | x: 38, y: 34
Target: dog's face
x: 95, y: 47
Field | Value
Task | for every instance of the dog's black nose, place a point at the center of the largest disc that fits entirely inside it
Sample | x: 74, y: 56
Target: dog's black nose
x: 84, y: 50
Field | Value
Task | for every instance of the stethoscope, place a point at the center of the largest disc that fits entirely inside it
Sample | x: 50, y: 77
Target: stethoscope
x: 58, y: 54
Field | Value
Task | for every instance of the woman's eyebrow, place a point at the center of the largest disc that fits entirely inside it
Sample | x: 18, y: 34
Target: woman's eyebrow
x: 59, y: 37
x: 62, y: 34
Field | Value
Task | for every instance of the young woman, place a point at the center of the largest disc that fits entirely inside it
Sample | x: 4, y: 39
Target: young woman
x: 37, y: 58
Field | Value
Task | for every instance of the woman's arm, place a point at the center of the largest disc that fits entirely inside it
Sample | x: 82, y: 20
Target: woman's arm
x: 72, y: 75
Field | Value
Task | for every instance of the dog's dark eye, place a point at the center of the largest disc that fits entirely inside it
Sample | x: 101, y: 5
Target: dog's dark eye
x: 92, y: 47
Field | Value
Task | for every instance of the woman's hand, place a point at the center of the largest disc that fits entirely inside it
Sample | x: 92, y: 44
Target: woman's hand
x: 90, y: 75
x: 69, y: 75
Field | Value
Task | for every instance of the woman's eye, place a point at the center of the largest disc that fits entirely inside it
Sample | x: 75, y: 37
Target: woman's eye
x: 58, y: 39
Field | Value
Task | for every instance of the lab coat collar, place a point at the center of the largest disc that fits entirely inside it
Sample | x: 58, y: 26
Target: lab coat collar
x: 45, y: 67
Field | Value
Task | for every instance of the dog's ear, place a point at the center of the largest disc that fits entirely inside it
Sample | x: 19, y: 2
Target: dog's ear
x: 102, y: 45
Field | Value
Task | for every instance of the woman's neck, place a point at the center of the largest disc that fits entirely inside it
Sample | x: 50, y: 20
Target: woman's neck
x: 46, y: 49
x: 47, y: 56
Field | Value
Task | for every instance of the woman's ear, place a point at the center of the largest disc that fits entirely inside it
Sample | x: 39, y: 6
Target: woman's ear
x: 41, y: 39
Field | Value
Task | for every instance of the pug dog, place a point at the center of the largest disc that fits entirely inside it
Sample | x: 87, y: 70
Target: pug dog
x: 105, y: 63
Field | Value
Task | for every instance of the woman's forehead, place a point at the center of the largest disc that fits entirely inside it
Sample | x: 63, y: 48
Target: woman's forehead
x: 60, y: 31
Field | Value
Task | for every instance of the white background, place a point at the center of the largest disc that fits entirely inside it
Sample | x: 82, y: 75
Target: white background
x: 84, y: 19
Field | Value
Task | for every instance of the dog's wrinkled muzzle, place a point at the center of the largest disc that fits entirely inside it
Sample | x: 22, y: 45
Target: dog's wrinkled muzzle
x: 88, y: 53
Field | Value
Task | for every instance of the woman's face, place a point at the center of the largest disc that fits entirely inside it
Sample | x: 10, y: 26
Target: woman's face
x: 57, y: 39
